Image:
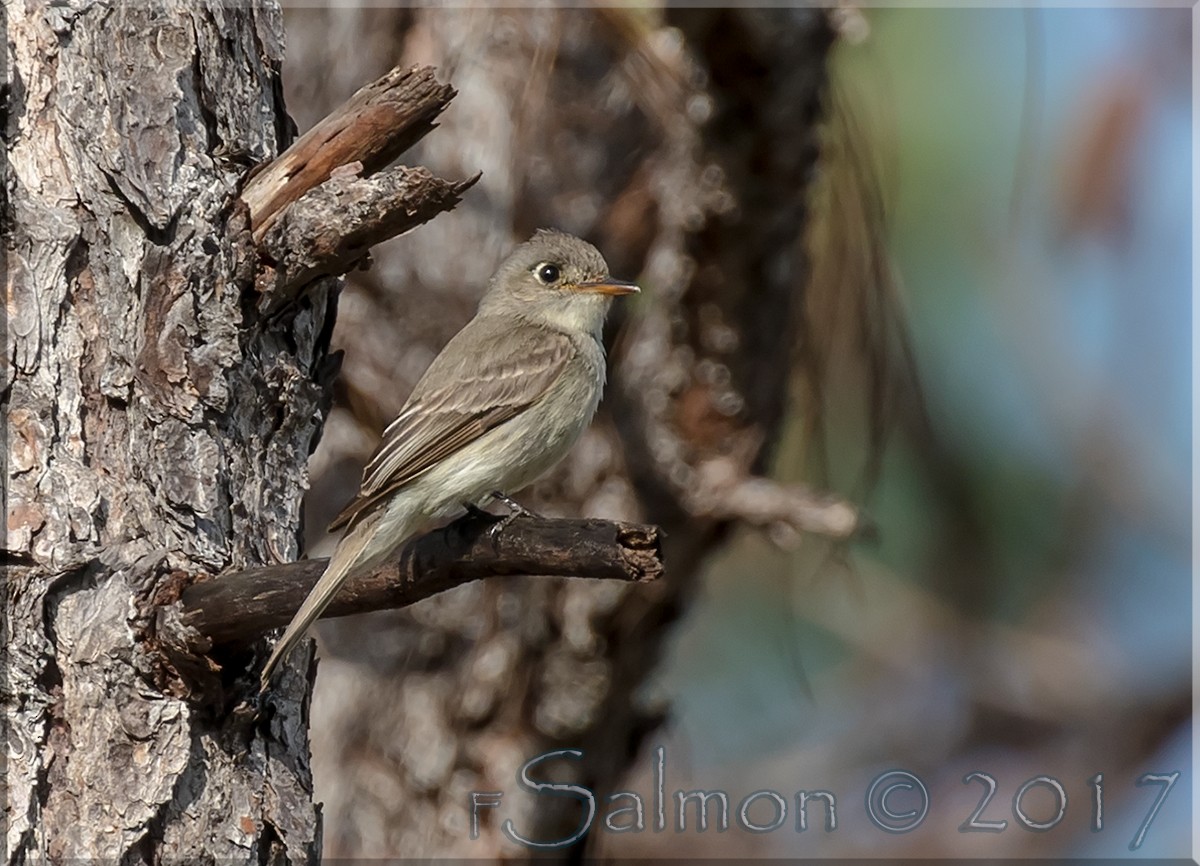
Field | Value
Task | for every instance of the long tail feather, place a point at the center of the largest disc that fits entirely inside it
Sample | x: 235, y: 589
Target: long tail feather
x: 359, y: 548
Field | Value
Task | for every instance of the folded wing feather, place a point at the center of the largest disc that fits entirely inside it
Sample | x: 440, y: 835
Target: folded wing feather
x: 462, y: 396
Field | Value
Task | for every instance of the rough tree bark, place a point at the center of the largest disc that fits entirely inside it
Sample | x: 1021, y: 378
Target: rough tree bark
x: 158, y: 425
x: 685, y: 152
x: 164, y: 382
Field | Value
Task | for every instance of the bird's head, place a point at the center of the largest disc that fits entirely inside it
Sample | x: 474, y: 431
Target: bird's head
x: 556, y: 278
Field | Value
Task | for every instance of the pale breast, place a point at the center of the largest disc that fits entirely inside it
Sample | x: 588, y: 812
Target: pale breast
x: 518, y: 452
x: 548, y: 429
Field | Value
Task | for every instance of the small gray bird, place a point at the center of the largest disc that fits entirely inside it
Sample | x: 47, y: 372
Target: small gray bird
x: 504, y: 401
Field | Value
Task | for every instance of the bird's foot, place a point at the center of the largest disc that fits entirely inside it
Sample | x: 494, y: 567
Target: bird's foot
x: 494, y: 531
x: 515, y: 510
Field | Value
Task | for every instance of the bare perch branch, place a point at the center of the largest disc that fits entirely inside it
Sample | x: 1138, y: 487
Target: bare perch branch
x: 237, y: 608
x: 373, y: 127
x: 334, y: 225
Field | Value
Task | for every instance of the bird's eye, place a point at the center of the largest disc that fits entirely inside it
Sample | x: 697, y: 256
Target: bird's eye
x: 547, y: 273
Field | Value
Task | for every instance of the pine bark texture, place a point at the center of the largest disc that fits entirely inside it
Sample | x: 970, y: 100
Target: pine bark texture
x: 159, y: 428
x: 683, y: 147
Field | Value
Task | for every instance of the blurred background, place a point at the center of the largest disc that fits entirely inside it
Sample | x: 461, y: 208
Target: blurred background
x: 934, y: 262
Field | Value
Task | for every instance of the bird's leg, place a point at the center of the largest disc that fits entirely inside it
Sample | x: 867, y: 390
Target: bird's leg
x: 515, y: 510
x: 514, y: 507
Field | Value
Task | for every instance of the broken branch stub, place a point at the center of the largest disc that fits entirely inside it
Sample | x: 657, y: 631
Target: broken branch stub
x: 332, y: 227
x: 373, y: 127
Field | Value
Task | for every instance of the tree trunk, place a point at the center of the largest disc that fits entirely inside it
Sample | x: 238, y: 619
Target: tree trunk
x: 159, y: 428
x: 685, y: 155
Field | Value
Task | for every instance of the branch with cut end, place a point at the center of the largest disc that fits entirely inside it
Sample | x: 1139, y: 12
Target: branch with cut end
x: 319, y: 207
x: 374, y: 126
x: 237, y: 608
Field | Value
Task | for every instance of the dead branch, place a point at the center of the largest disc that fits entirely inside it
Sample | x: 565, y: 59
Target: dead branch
x: 332, y: 227
x: 373, y: 127
x: 236, y: 608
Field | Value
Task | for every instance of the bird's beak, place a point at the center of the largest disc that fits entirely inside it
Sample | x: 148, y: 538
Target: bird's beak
x: 608, y: 287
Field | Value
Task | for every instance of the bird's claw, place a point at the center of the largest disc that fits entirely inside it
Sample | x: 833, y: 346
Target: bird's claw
x: 515, y: 510
x: 494, y: 531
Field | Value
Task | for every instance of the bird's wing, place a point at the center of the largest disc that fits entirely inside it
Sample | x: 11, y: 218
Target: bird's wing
x: 474, y: 386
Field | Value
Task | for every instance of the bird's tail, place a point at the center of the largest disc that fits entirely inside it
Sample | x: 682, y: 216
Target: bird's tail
x: 359, y: 548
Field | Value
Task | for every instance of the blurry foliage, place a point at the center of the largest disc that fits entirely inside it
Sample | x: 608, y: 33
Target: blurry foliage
x: 1025, y: 558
